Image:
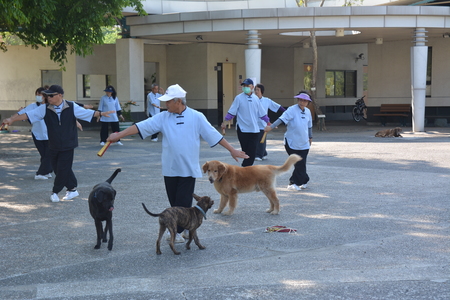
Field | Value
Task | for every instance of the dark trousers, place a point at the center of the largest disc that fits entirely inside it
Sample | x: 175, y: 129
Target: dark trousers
x: 62, y: 166
x: 104, y: 130
x: 249, y: 142
x: 299, y: 175
x: 261, y: 148
x: 154, y: 136
x: 46, y: 165
x: 179, y: 191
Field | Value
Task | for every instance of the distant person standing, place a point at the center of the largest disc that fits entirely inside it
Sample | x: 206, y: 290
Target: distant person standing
x: 153, y: 106
x: 298, y: 137
x: 109, y: 102
x: 247, y: 109
x: 261, y: 153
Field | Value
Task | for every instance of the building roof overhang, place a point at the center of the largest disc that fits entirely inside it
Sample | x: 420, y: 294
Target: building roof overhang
x: 390, y: 23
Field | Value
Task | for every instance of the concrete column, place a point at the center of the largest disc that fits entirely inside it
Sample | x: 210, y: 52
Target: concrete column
x: 130, y: 72
x: 253, y: 57
x: 419, y: 54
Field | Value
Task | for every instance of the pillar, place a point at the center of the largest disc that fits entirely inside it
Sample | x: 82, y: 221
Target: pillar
x: 130, y: 72
x: 253, y: 57
x: 419, y: 54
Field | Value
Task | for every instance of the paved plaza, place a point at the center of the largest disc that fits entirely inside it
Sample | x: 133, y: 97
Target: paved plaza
x: 374, y: 223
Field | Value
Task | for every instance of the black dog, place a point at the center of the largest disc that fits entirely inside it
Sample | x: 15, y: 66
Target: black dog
x: 188, y: 218
x: 101, y: 205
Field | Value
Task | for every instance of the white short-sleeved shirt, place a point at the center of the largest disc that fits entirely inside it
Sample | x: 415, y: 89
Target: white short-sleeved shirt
x: 153, y: 99
x: 81, y: 113
x: 181, y: 140
x: 267, y: 104
x: 248, y: 110
x: 298, y: 122
x: 108, y: 104
x: 39, y: 129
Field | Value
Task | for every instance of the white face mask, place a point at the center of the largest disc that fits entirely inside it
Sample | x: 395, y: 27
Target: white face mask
x: 38, y: 98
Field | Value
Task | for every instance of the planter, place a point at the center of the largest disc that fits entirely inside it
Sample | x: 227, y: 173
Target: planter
x: 124, y: 125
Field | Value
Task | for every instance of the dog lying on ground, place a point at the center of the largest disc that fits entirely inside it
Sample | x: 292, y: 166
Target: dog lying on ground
x: 231, y: 180
x: 188, y: 218
x: 395, y: 132
x: 101, y: 205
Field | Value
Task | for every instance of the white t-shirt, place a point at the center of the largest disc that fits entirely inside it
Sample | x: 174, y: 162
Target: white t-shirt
x: 39, y: 129
x: 181, y: 140
x: 79, y: 112
x: 267, y: 104
x: 248, y: 110
x: 108, y: 104
x: 298, y: 122
x: 153, y: 99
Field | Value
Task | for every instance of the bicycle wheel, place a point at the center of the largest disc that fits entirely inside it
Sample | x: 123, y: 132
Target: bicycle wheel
x: 356, y: 114
x: 364, y: 113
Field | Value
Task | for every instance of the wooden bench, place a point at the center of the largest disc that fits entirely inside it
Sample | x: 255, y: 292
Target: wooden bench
x: 394, y: 110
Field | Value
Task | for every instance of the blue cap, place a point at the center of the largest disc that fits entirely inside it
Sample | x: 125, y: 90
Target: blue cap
x: 247, y: 81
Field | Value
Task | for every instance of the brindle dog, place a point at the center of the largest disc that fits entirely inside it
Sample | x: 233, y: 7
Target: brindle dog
x: 101, y: 205
x: 188, y: 218
x: 395, y: 132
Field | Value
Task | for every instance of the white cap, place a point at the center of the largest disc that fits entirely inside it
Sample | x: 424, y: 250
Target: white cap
x: 173, y: 91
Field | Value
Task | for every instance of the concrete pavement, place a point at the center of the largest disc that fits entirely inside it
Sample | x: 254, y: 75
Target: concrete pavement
x: 373, y: 224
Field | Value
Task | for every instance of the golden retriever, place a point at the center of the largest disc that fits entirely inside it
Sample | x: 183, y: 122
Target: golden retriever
x: 231, y: 180
x: 395, y: 132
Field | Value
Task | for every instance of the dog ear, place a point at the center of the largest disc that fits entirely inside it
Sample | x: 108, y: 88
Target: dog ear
x: 205, y: 167
x: 221, y: 170
x: 197, y: 198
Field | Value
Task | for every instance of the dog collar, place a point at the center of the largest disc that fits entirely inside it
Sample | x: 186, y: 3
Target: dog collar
x: 201, y: 210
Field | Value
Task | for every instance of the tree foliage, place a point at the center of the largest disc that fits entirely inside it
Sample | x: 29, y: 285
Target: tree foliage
x: 67, y: 26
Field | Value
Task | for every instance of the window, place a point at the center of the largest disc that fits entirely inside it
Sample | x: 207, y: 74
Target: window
x: 307, y: 69
x: 108, y: 80
x: 86, y: 86
x: 340, y: 84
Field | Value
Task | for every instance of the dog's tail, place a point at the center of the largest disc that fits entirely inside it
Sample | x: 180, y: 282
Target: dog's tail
x: 110, y: 179
x: 290, y: 161
x: 147, y: 211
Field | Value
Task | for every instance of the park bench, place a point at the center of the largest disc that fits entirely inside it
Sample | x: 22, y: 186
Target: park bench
x: 394, y: 110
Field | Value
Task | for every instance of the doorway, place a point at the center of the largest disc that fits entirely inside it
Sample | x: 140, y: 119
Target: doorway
x: 225, y: 88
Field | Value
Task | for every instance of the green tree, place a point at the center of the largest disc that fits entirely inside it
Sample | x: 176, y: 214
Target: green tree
x: 67, y: 26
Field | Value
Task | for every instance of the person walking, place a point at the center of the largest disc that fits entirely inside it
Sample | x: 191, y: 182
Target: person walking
x: 182, y: 127
x: 40, y: 138
x: 298, y: 137
x: 109, y: 102
x: 261, y: 152
x: 60, y: 117
x: 247, y: 109
x: 153, y: 106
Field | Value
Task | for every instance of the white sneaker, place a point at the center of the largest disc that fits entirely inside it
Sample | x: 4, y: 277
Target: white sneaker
x: 102, y: 143
x: 185, y: 234
x: 304, y: 186
x: 179, y: 238
x: 154, y: 140
x: 54, y: 197
x: 40, y: 177
x: 264, y: 157
x: 294, y: 187
x: 119, y: 143
x: 258, y: 158
x: 70, y: 195
x: 49, y: 175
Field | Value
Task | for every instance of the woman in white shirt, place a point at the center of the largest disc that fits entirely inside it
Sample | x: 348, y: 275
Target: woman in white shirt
x: 298, y: 137
x: 107, y: 103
